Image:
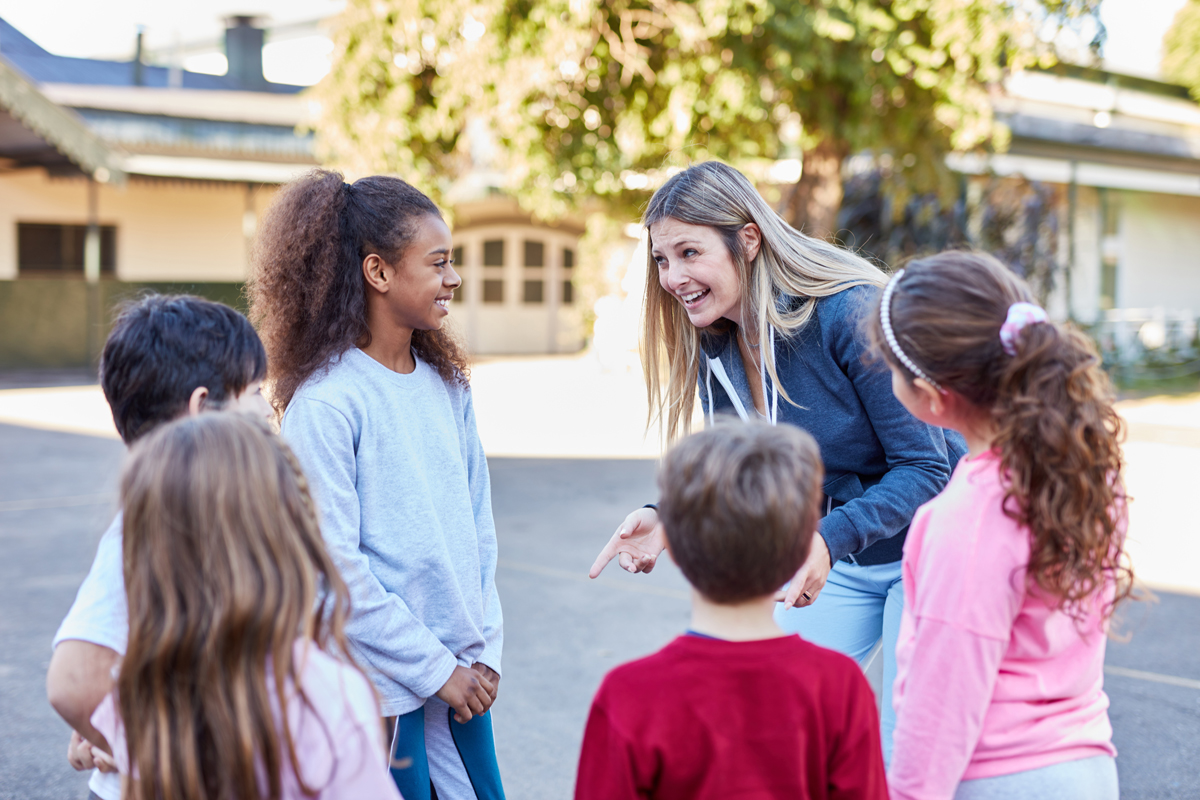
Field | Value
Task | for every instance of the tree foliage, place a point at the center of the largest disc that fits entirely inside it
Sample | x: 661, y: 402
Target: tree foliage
x: 1181, y: 48
x: 590, y: 99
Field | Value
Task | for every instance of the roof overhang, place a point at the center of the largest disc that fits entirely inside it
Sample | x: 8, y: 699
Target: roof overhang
x: 214, y: 169
x: 35, y: 131
x: 264, y: 108
x: 1080, y: 172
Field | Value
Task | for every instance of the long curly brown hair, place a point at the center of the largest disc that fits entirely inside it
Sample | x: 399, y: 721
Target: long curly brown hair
x: 1057, y: 432
x: 306, y: 289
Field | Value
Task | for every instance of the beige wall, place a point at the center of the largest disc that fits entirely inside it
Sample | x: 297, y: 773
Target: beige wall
x: 1159, y: 263
x: 166, y: 230
x: 1085, y: 273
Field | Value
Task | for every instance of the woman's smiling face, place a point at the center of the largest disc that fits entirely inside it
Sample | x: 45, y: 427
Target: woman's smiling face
x: 696, y: 268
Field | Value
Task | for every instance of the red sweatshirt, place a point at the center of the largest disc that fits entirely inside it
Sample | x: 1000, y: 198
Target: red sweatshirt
x: 706, y: 718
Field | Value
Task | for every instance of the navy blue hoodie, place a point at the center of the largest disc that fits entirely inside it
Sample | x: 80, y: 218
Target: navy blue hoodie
x: 881, y: 463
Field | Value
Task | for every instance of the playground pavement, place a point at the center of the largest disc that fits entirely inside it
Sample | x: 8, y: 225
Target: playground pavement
x: 568, y: 461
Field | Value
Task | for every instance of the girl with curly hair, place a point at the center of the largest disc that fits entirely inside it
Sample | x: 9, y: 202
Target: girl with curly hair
x: 1011, y: 574
x: 350, y: 288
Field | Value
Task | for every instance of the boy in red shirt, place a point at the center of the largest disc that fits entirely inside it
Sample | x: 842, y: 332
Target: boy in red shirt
x: 734, y: 708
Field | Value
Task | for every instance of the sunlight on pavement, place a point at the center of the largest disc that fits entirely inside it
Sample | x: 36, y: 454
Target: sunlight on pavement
x: 572, y: 407
x: 70, y: 409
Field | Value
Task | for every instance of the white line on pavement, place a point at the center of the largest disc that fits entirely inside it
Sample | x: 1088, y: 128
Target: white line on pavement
x: 1152, y: 676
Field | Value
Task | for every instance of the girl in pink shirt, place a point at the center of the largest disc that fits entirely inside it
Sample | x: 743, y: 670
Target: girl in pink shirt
x: 236, y: 681
x: 1011, y: 573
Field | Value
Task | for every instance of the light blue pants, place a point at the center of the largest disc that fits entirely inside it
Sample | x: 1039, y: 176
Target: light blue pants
x: 858, y: 607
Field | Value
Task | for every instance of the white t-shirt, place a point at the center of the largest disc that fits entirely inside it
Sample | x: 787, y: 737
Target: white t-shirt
x: 99, y: 615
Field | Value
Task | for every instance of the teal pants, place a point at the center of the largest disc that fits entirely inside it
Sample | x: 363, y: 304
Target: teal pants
x: 472, y: 743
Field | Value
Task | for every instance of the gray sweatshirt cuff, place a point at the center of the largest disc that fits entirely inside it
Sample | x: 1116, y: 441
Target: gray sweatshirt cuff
x: 439, y: 672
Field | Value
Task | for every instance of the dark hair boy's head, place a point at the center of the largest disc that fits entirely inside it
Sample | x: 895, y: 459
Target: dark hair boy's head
x: 162, y: 347
x: 739, y: 503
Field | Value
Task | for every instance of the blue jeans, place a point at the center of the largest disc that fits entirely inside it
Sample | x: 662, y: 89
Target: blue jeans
x: 858, y: 606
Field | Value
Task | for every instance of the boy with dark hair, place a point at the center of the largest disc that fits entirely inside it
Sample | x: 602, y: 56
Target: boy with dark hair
x: 166, y: 357
x: 734, y: 707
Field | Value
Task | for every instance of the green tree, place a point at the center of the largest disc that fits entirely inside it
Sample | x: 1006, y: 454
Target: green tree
x: 1181, y: 48
x: 588, y: 99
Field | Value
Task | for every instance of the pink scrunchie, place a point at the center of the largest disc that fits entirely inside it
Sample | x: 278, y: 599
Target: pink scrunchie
x: 1019, y: 315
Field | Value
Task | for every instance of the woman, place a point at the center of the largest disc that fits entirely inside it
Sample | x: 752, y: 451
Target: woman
x: 765, y: 320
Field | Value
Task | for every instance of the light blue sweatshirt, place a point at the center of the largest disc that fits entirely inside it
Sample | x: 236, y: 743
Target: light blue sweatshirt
x: 401, y: 484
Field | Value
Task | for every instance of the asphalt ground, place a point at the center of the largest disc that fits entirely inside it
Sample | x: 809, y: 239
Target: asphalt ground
x: 562, y: 631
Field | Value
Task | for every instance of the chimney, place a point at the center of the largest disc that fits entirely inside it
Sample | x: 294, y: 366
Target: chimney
x: 243, y: 50
x: 139, y: 70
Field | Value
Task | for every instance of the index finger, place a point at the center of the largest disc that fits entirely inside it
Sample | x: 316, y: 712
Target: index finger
x: 606, y: 555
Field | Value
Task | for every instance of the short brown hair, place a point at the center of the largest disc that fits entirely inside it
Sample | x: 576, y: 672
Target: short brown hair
x: 739, y: 503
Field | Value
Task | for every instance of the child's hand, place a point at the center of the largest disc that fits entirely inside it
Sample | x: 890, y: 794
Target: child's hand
x: 492, y: 676
x: 79, y: 753
x: 104, y: 762
x: 636, y: 545
x: 467, y: 692
x: 83, y: 755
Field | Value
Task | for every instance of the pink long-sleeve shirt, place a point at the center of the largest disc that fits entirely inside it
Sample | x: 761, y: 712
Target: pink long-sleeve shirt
x: 991, y: 679
x: 338, y: 737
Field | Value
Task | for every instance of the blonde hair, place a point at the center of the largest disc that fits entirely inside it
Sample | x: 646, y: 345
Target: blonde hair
x: 225, y: 569
x: 788, y: 264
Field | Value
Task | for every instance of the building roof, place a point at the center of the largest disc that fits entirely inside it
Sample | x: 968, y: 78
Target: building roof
x: 42, y: 66
x: 35, y: 132
x: 86, y: 115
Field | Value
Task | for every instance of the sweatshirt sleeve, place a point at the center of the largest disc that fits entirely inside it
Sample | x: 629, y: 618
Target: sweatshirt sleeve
x: 947, y: 689
x: 918, y: 461
x: 856, y: 770
x: 606, y: 760
x: 386, y: 635
x: 479, y: 483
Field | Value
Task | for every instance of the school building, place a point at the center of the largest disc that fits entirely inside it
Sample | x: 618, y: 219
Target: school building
x: 1124, y: 153
x: 117, y: 177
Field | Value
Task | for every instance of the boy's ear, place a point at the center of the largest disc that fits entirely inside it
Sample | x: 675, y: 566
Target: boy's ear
x: 197, y: 401
x: 377, y: 273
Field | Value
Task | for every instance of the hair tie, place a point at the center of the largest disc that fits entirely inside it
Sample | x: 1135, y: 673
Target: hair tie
x: 347, y: 187
x: 885, y: 319
x: 1019, y: 315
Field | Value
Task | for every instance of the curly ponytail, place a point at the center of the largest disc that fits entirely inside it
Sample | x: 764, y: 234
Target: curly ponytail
x: 1058, y: 435
x: 307, y: 291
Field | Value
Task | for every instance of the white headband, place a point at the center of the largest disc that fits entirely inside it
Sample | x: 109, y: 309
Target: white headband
x: 885, y: 319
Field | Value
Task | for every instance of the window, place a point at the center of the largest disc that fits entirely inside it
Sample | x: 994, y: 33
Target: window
x: 58, y: 249
x: 568, y: 288
x: 493, y: 253
x: 533, y: 291
x: 460, y: 268
x: 535, y: 254
x: 493, y: 291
